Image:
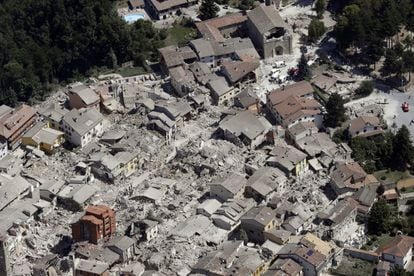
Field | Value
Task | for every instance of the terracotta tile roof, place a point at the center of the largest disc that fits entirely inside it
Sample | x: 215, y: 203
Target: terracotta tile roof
x: 12, y: 120
x: 312, y: 241
x: 168, y: 4
x: 405, y: 183
x: 295, y: 107
x: 236, y: 70
x: 211, y: 28
x: 309, y: 255
x: 359, y: 123
x: 174, y: 56
x: 299, y: 89
x: 351, y: 175
x: 399, y: 246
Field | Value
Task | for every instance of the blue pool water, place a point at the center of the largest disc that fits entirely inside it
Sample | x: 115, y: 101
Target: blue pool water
x: 131, y: 18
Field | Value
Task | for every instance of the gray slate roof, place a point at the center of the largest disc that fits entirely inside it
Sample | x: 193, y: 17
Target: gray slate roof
x: 265, y: 18
x: 83, y: 120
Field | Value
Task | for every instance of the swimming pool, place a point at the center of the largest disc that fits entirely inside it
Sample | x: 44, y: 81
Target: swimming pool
x: 132, y: 17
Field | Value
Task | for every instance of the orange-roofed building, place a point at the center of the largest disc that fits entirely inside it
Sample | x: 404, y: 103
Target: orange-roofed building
x: 98, y: 224
x: 398, y: 251
x: 15, y: 122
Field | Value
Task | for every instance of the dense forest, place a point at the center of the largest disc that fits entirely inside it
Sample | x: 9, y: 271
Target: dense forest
x: 50, y: 41
x: 368, y: 26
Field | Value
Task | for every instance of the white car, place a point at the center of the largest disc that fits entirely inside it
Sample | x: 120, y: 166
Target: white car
x: 279, y: 64
x: 283, y: 78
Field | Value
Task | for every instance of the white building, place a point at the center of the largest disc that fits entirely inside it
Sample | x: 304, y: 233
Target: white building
x: 82, y: 126
x: 3, y: 148
x: 398, y: 251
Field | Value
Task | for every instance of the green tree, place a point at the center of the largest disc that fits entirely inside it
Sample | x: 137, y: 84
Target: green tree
x: 320, y: 8
x: 304, y: 71
x: 380, y: 190
x: 208, y: 9
x: 374, y: 51
x: 246, y: 5
x: 365, y: 152
x: 316, y: 29
x: 403, y: 152
x: 335, y: 111
x: 46, y: 42
x: 379, y: 218
x: 365, y: 89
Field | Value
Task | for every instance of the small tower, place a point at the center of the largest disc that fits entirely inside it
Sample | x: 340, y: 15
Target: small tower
x: 5, y: 269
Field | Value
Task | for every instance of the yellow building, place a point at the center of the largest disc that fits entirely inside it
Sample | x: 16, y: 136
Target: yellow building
x: 44, y: 138
x: 312, y: 241
x: 122, y: 163
x: 289, y: 159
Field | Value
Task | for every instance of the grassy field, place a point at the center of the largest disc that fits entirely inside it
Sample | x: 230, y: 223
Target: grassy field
x: 354, y: 267
x: 386, y: 175
x: 121, y: 4
x: 407, y: 190
x: 378, y: 241
x: 179, y: 35
x: 131, y: 71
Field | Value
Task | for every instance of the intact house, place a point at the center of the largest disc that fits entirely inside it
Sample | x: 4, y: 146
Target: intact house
x: 365, y: 126
x: 294, y: 104
x: 53, y: 115
x: 96, y: 225
x: 222, y: 28
x: 248, y: 100
x: 44, y: 138
x: 82, y: 126
x: 301, y: 130
x: 221, y: 91
x: 14, y: 122
x: 294, y: 110
x: 312, y: 261
x: 398, y: 251
x: 81, y: 96
x: 256, y: 221
x: 286, y: 267
x: 245, y: 128
x: 214, y: 52
x: 172, y: 57
x: 159, y: 9
x: 228, y: 187
x: 289, y: 159
x: 264, y: 182
x: 240, y: 72
x: 348, y: 178
x: 268, y: 31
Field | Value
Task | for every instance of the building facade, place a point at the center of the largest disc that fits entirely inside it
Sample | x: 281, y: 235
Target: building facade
x: 97, y: 225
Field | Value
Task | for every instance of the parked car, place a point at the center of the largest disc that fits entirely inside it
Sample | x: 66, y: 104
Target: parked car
x: 279, y: 64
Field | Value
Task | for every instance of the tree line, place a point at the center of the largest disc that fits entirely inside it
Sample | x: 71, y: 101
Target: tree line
x: 46, y: 42
x: 368, y: 26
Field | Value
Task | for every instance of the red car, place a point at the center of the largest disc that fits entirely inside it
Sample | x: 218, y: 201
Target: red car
x: 405, y: 107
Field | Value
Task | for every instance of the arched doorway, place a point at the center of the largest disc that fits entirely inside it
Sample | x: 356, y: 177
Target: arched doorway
x: 279, y: 51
